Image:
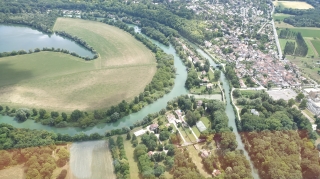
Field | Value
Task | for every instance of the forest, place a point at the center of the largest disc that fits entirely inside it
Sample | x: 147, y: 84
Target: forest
x: 39, y: 162
x: 276, y: 136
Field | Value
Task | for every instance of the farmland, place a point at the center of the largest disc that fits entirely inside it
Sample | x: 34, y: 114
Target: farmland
x: 91, y: 160
x: 59, y: 81
x: 293, y: 4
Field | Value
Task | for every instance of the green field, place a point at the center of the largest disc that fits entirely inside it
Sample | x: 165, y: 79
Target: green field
x: 307, y: 32
x: 280, y: 16
x: 316, y: 45
x: 59, y: 81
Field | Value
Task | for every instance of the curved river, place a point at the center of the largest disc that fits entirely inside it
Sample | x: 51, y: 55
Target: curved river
x: 161, y: 103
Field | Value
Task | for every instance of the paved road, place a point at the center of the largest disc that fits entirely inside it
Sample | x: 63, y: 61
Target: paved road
x: 276, y: 35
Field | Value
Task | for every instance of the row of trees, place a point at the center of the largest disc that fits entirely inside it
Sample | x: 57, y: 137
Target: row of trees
x: 287, y: 34
x: 232, y: 76
x: 302, y: 48
x: 78, y: 41
x: 289, y: 48
x: 22, y: 52
x: 155, y: 34
x: 120, y: 163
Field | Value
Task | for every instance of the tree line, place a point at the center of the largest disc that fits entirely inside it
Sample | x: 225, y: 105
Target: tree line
x: 45, y: 49
x: 120, y: 163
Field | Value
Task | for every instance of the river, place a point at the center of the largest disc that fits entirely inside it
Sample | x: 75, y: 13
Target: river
x: 230, y: 111
x: 177, y: 90
x: 15, y: 37
x: 161, y: 103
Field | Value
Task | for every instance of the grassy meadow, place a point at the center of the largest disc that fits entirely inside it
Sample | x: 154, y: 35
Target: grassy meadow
x: 58, y: 81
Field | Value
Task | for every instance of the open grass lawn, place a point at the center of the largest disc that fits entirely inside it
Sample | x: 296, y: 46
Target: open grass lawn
x: 134, y: 170
x: 196, y: 130
x: 206, y: 122
x: 312, y: 52
x: 305, y: 63
x: 280, y: 16
x: 197, y: 160
x: 293, y: 4
x: 316, y: 45
x: 309, y: 114
x: 57, y: 81
x: 197, y: 90
x: 246, y: 93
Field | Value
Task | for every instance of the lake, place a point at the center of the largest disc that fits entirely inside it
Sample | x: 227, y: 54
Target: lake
x: 15, y: 38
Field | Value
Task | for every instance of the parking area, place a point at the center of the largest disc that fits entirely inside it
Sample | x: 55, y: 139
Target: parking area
x: 285, y: 94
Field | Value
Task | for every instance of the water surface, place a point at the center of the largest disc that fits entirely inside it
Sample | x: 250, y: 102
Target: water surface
x: 15, y: 38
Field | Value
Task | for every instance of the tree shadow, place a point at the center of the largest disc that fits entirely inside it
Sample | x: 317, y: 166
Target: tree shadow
x: 10, y: 76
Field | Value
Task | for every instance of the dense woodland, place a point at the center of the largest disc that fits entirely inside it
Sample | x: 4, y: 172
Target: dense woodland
x: 39, y: 162
x: 301, y: 17
x: 277, y: 137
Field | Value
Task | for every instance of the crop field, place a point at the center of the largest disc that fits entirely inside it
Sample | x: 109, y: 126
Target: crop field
x: 293, y: 4
x: 91, y: 160
x: 59, y: 81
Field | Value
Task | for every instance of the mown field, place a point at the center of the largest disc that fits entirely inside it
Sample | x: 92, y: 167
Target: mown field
x: 316, y: 45
x: 293, y: 4
x: 58, y: 81
x: 91, y: 160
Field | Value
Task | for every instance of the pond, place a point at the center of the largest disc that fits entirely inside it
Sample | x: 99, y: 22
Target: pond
x: 15, y: 38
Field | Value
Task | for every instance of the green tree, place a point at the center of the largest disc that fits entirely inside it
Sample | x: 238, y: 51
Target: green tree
x: 303, y: 104
x: 291, y: 102
x: 217, y: 74
x: 42, y: 112
x: 299, y: 97
x: 128, y: 136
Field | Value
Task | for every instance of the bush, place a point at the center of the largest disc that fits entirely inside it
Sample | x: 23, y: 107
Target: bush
x: 63, y: 174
